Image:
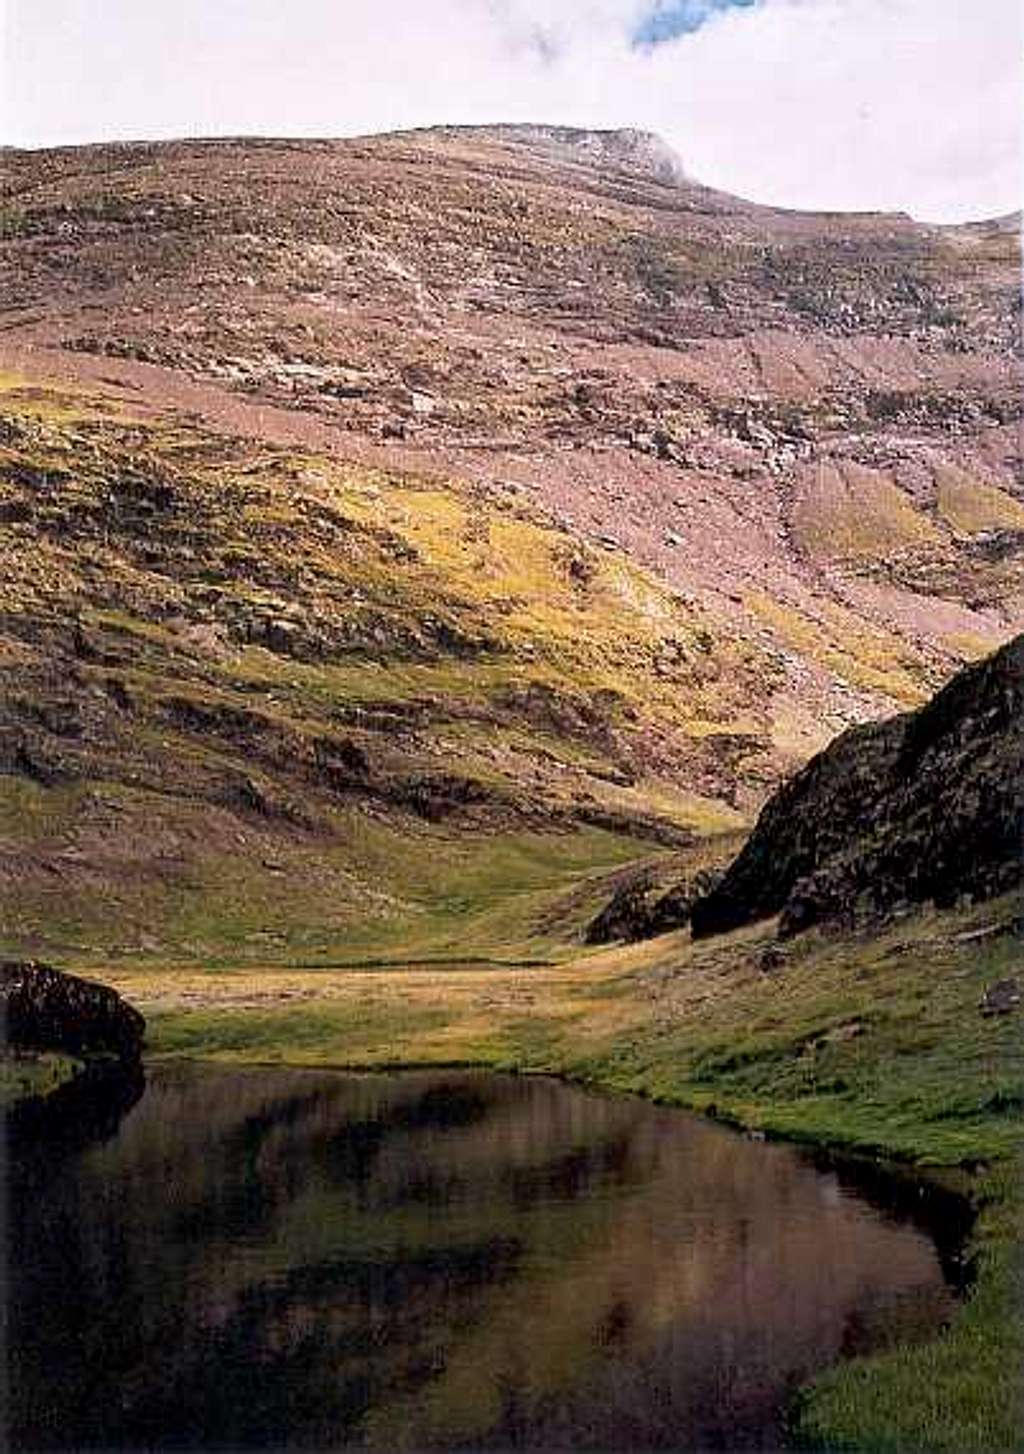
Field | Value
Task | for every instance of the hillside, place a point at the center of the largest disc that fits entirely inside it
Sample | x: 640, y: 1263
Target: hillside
x: 807, y: 423
x: 402, y: 534
x: 927, y: 807
x: 258, y: 701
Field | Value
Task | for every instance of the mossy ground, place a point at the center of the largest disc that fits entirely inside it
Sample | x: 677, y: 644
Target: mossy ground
x: 872, y: 1043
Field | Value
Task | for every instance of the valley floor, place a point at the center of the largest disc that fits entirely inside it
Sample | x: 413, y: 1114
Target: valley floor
x: 876, y: 1044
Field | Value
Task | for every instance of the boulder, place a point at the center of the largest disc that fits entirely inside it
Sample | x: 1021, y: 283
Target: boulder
x: 44, y: 1009
x: 1001, y: 998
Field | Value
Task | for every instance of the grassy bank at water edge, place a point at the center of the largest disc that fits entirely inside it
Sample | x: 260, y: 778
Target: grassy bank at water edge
x: 874, y: 1043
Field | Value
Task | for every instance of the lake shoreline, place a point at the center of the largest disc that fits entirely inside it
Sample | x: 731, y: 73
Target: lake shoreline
x: 873, y: 1046
x: 810, y: 1417
x: 874, y: 1187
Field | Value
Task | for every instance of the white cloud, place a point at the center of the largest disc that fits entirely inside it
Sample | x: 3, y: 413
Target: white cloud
x: 895, y: 104
x: 911, y: 104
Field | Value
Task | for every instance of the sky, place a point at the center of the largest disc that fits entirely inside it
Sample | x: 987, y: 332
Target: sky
x: 901, y: 105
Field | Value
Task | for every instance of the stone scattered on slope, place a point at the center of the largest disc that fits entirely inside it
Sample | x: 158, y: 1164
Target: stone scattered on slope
x: 1001, y: 998
x: 808, y: 424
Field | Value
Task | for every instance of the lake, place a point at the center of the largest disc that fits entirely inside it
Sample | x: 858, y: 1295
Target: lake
x: 248, y: 1258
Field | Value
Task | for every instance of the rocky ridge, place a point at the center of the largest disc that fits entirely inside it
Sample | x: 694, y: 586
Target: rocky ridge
x: 637, y: 153
x: 926, y: 807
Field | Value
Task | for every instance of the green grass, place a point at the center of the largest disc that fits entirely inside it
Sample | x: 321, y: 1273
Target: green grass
x: 959, y: 1392
x: 871, y: 1043
x: 366, y: 890
x: 300, y: 1036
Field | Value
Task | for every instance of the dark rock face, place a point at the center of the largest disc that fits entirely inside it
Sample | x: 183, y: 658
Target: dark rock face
x: 44, y: 1009
x: 643, y: 908
x: 925, y: 807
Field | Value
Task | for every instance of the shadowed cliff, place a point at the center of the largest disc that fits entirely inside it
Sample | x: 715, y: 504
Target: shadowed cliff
x: 928, y: 806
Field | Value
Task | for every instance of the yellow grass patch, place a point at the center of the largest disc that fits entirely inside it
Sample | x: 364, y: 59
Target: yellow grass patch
x: 969, y: 505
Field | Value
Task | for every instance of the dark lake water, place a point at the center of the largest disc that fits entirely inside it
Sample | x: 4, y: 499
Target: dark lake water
x: 265, y: 1258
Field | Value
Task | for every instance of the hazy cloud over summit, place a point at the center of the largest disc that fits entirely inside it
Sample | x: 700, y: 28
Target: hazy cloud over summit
x: 899, y: 104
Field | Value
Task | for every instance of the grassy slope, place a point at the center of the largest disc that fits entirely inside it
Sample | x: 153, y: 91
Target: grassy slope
x: 876, y: 1046
x: 430, y: 894
x: 232, y: 670
x: 32, y: 1074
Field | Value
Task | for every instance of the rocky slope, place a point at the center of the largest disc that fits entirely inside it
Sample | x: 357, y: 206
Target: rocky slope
x: 401, y: 526
x: 927, y: 807
x: 643, y: 910
x: 808, y: 424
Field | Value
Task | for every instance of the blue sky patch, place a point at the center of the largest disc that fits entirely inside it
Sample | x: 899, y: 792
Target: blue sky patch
x: 670, y: 18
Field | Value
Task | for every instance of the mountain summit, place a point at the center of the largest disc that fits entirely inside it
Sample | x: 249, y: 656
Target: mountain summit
x: 642, y: 153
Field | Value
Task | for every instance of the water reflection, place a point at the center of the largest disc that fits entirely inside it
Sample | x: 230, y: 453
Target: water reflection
x: 86, y: 1109
x: 263, y: 1258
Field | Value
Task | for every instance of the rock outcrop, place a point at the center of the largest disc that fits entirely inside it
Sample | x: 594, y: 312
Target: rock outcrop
x: 641, y: 153
x: 45, y: 1009
x: 643, y: 907
x: 925, y: 807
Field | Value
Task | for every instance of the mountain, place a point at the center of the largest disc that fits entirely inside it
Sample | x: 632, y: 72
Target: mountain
x: 927, y: 807
x: 403, y: 534
x: 807, y: 423
x: 260, y: 695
